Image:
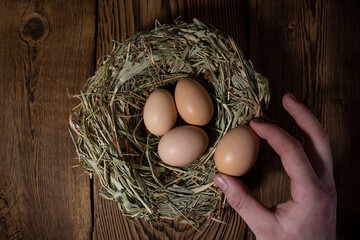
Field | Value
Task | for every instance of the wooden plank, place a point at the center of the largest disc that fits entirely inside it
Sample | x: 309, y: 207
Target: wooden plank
x: 46, y: 47
x: 119, y: 20
x: 341, y: 109
x: 311, y: 48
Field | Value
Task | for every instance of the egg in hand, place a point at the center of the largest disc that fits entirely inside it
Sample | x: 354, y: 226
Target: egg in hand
x: 237, y: 151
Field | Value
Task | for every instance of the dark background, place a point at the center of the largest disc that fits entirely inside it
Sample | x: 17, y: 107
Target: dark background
x: 310, y: 48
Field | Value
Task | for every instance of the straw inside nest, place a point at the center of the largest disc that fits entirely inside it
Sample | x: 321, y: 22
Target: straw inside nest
x: 110, y: 137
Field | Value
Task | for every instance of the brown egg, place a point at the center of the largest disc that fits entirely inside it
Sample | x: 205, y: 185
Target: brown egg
x: 237, y: 151
x: 193, y: 102
x: 182, y: 145
x: 160, y: 112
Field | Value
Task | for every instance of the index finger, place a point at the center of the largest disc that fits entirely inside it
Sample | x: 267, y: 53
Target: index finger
x: 291, y: 152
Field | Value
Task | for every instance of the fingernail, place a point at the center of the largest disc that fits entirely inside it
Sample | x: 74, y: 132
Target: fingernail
x: 220, y: 182
x: 293, y: 97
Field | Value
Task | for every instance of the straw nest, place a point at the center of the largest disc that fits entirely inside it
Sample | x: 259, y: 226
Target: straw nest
x: 110, y: 137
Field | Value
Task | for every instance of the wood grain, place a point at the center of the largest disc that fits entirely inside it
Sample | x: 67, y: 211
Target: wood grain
x: 46, y: 47
x: 341, y: 109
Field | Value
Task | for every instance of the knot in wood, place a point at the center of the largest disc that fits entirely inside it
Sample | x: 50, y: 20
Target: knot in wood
x: 34, y: 28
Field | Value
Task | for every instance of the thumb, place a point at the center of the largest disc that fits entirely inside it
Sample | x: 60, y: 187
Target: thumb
x: 259, y: 218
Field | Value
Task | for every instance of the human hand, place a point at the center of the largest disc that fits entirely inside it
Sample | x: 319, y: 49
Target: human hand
x: 311, y: 213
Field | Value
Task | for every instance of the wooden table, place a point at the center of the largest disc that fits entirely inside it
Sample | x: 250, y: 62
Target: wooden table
x: 49, y: 48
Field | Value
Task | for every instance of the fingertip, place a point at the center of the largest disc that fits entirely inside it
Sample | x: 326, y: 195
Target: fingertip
x: 289, y: 96
x: 220, y: 181
x: 219, y: 175
x: 254, y: 123
x: 289, y: 102
x: 233, y: 184
x: 227, y: 182
x: 297, y: 109
x: 259, y: 127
